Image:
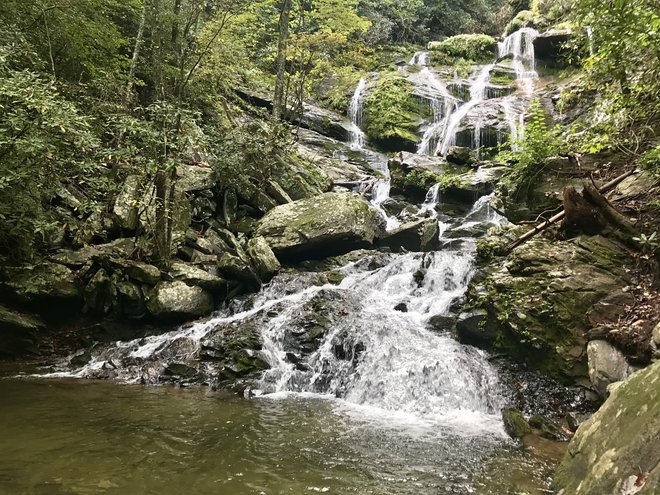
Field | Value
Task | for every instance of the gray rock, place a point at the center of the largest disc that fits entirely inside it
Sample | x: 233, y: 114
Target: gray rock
x: 195, y: 276
x: 99, y: 294
x: 176, y: 301
x: 18, y: 333
x: 607, y: 365
x: 515, y: 424
x: 130, y: 300
x: 442, y: 323
x: 459, y: 155
x: 420, y: 235
x: 475, y: 328
x: 235, y: 268
x: 328, y: 224
x: 618, y: 443
x: 135, y: 270
x: 263, y: 259
x: 191, y: 178
x: 325, y: 122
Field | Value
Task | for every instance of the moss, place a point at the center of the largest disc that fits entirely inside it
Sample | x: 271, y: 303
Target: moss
x: 524, y: 18
x: 391, y: 114
x: 474, y: 48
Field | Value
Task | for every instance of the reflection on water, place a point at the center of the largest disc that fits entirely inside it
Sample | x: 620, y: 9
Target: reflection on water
x: 88, y: 437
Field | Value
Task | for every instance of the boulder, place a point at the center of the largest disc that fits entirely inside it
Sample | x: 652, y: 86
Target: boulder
x: 607, y: 365
x: 18, y: 333
x: 324, y: 122
x: 192, y: 178
x: 540, y: 296
x: 413, y: 175
x: 176, y: 301
x: 420, y: 235
x: 328, y: 224
x: 194, y: 276
x: 616, y: 450
x: 459, y: 155
x: 263, y: 259
x: 235, y: 268
x: 475, y: 328
x: 130, y: 300
x: 135, y: 270
x: 99, y: 293
x: 515, y: 423
x: 49, y: 289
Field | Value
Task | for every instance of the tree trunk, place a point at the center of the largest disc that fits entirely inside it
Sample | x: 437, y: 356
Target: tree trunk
x: 139, y: 40
x: 278, y: 100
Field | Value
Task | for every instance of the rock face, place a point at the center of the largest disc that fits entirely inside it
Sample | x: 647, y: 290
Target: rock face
x: 607, y: 365
x: 263, y: 259
x: 541, y: 296
x: 618, y: 446
x: 414, y: 174
x: 18, y: 333
x: 176, y: 301
x: 421, y: 235
x: 550, y: 47
x: 328, y: 224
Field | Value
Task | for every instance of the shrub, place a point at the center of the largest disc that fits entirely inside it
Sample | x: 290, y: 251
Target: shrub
x: 473, y: 47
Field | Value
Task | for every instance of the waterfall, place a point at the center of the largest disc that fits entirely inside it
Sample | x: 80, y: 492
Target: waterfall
x: 355, y: 109
x: 520, y: 45
x: 590, y: 39
x: 420, y: 58
x: 477, y: 95
x: 515, y: 119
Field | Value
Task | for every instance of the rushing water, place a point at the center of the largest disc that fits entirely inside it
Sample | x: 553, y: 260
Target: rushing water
x: 357, y: 138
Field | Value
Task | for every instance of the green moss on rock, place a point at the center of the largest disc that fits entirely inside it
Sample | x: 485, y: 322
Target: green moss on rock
x: 391, y: 114
x: 474, y: 48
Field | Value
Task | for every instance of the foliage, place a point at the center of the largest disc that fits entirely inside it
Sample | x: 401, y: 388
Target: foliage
x: 539, y: 142
x: 522, y: 19
x: 472, y: 47
x: 650, y: 161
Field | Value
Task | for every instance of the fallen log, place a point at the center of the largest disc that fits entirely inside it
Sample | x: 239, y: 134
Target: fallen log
x: 559, y: 216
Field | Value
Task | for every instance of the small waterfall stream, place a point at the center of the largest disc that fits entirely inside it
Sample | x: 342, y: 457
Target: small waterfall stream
x: 355, y: 108
x: 520, y: 45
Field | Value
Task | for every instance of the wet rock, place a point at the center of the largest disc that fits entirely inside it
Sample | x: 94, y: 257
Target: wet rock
x: 547, y: 428
x: 49, y: 289
x: 618, y: 443
x: 195, y: 276
x: 18, y: 333
x: 413, y: 174
x: 80, y: 359
x: 236, y: 348
x: 550, y: 47
x: 176, y: 301
x: 442, y: 323
x: 607, y: 365
x: 325, y: 122
x: 181, y: 371
x: 420, y: 235
x: 515, y: 424
x: 401, y: 307
x: 135, y: 270
x: 235, y: 268
x: 475, y: 328
x: 459, y: 155
x: 329, y: 224
x: 263, y: 259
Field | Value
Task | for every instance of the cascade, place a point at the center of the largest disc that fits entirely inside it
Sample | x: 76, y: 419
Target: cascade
x: 520, y: 45
x: 477, y: 95
x: 590, y: 38
x: 420, y: 58
x: 355, y: 109
x: 515, y: 119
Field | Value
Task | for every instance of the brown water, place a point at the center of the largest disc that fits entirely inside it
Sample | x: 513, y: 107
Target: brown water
x: 89, y: 437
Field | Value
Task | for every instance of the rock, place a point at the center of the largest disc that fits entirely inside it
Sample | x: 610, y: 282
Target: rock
x: 131, y: 300
x: 619, y: 442
x: 547, y: 428
x: 401, y: 307
x: 194, y: 276
x: 515, y: 424
x: 263, y: 259
x: 540, y: 296
x: 176, y: 301
x: 99, y: 294
x: 18, y: 333
x: 413, y: 174
x: 236, y: 268
x: 472, y: 185
x: 459, y: 155
x: 655, y: 342
x: 49, y: 289
x: 329, y: 224
x: 135, y: 270
x: 442, y: 323
x: 550, y: 47
x: 325, y: 122
x: 607, y: 365
x: 191, y: 178
x: 475, y: 328
x: 420, y: 235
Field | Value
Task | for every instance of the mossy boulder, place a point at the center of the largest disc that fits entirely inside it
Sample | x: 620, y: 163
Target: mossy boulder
x: 177, y: 301
x: 328, y: 224
x: 49, y: 289
x: 263, y: 259
x: 616, y: 450
x: 19, y: 333
x: 392, y: 114
x: 413, y: 175
x: 540, y: 297
x: 470, y: 47
x: 195, y: 276
x: 515, y: 423
x: 420, y: 235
